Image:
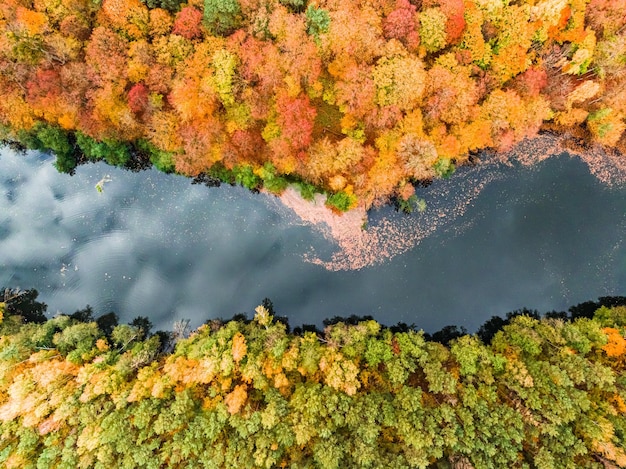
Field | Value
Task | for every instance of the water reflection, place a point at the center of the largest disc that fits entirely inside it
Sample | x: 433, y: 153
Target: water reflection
x: 152, y: 244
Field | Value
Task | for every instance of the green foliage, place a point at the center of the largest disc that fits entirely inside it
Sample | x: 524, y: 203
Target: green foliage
x: 222, y: 173
x: 47, y: 137
x: 113, y: 152
x: 444, y: 167
x: 307, y: 191
x: 221, y: 16
x: 170, y: 5
x: 317, y: 20
x: 271, y: 181
x: 79, y: 338
x: 341, y: 201
x: 410, y: 204
x: 244, y: 175
x: 432, y: 29
x: 23, y: 303
x: 162, y: 160
x: 296, y: 6
x: 248, y: 394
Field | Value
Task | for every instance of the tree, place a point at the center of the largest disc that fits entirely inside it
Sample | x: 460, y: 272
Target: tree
x: 221, y: 16
x: 317, y: 20
x: 400, y: 81
x: 24, y: 303
x: 401, y: 24
x: 296, y: 118
x: 188, y: 23
x: 129, y: 16
x: 432, y: 29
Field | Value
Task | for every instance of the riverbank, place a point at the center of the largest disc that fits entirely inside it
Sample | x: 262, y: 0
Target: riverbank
x: 361, y: 244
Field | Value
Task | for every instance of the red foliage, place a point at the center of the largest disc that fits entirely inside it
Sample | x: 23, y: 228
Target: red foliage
x: 188, y: 23
x: 400, y: 22
x: 531, y: 82
x: 384, y: 117
x: 261, y: 65
x: 247, y: 144
x: 455, y: 26
x: 606, y: 15
x: 455, y: 12
x: 46, y: 83
x: 296, y: 118
x: 138, y: 98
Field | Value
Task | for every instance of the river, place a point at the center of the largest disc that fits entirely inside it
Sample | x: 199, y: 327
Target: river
x: 492, y: 239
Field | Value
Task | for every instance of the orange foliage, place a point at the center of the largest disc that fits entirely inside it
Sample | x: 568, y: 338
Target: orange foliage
x: 482, y: 74
x: 616, y: 345
x: 239, y: 347
x: 32, y: 21
x: 160, y: 22
x: 236, y: 399
x: 128, y: 15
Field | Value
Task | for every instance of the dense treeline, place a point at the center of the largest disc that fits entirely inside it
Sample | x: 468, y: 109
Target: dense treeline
x: 359, y: 98
x: 543, y: 393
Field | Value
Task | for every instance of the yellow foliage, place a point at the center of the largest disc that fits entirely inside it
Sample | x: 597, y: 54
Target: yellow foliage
x: 339, y: 372
x: 89, y: 439
x: 160, y: 22
x: 281, y: 381
x: 129, y: 15
x: 67, y: 121
x: 586, y: 90
x: 184, y: 370
x: 399, y: 81
x: 16, y: 461
x: 16, y: 112
x: 619, y: 403
x: 164, y: 131
x: 571, y: 117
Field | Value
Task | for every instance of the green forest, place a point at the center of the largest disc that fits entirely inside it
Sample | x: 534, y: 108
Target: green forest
x: 524, y: 392
x: 359, y: 99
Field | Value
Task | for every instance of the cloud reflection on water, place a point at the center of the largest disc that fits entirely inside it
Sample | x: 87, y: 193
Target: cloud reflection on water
x: 152, y: 244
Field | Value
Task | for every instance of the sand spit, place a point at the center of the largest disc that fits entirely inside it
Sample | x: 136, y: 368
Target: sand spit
x: 361, y: 242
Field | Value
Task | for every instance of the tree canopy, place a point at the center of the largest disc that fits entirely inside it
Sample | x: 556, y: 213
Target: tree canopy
x: 248, y: 393
x: 208, y: 85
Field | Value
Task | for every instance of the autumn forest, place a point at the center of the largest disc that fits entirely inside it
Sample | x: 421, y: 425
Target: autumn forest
x: 361, y: 100
x: 525, y: 392
x: 358, y: 99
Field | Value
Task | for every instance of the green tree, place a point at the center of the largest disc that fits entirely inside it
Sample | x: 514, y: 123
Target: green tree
x: 221, y: 16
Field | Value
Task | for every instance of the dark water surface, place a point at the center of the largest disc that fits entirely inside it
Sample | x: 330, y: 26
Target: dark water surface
x: 152, y: 244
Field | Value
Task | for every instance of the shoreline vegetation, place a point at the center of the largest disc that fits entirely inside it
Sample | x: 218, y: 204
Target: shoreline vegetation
x: 524, y: 391
x: 359, y: 100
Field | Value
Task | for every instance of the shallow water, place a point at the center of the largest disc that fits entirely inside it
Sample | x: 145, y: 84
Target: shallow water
x: 492, y: 239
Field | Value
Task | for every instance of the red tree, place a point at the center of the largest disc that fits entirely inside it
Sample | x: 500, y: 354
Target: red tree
x: 138, y: 98
x: 188, y: 23
x: 400, y: 23
x: 296, y: 117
